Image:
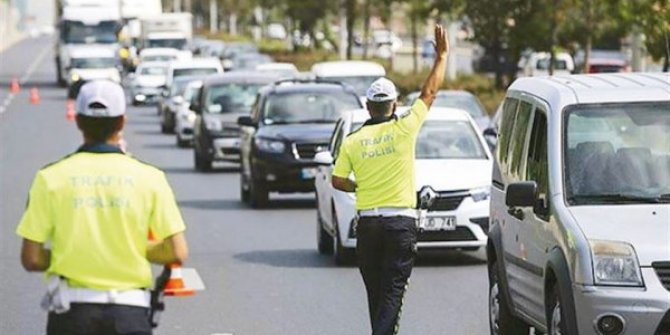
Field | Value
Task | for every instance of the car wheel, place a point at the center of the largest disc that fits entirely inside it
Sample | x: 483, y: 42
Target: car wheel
x: 164, y: 128
x: 258, y: 194
x: 324, y: 240
x: 556, y: 321
x: 501, y: 319
x: 342, y: 255
x: 182, y: 143
x: 202, y: 164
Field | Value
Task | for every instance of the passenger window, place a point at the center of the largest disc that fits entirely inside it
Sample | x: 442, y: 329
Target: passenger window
x: 537, y: 167
x: 518, y: 141
x: 506, y: 126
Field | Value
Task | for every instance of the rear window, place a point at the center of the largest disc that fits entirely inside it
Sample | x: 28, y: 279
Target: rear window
x: 194, y: 72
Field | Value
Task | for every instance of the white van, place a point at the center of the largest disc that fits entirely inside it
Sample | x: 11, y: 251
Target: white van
x: 192, y: 67
x: 358, y: 74
x: 579, y: 239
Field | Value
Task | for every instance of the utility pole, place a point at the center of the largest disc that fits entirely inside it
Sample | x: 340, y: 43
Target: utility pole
x: 213, y: 16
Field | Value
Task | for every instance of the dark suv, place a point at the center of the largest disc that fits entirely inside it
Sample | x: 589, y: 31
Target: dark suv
x: 220, y: 102
x: 291, y: 121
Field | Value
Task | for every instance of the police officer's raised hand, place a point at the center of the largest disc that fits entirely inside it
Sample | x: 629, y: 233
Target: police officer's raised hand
x: 441, y: 43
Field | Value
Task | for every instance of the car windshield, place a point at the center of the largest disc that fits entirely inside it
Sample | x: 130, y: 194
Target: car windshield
x: 308, y: 107
x: 158, y: 58
x: 468, y: 103
x: 559, y: 64
x: 231, y: 98
x: 153, y: 71
x: 93, y: 63
x: 75, y: 32
x: 618, y: 153
x: 174, y: 43
x: 194, y: 71
x: 359, y: 83
x: 446, y: 140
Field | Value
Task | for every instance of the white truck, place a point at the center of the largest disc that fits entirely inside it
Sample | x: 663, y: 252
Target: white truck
x: 84, y: 22
x: 168, y: 30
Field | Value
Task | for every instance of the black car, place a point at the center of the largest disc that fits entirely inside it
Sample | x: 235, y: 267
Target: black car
x: 291, y: 121
x: 220, y: 102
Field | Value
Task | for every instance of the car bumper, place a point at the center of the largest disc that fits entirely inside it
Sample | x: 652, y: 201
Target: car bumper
x: 145, y: 95
x: 226, y: 149
x: 285, y: 175
x: 642, y: 309
x: 471, y: 227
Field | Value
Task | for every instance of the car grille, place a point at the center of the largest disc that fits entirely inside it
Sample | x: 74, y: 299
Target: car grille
x: 664, y: 326
x: 230, y: 130
x: 447, y: 201
x: 308, y: 150
x: 460, y: 234
x: 663, y: 272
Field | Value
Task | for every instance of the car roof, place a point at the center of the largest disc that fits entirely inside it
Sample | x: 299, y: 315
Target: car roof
x: 195, y: 63
x: 348, y: 68
x: 435, y: 114
x: 560, y: 91
x: 158, y: 51
x: 92, y: 52
x: 241, y: 77
x: 152, y: 64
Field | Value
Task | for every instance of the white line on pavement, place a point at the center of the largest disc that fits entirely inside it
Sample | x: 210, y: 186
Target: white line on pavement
x: 34, y: 65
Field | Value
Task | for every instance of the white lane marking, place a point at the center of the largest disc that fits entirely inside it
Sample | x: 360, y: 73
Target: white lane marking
x: 6, y: 102
x: 34, y: 65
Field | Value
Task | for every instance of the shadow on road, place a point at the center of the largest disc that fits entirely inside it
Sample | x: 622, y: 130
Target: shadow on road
x: 429, y: 258
x: 294, y: 258
x: 161, y: 146
x: 148, y: 132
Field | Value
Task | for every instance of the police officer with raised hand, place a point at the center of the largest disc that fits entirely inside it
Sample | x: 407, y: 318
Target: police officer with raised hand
x: 96, y: 207
x: 381, y: 157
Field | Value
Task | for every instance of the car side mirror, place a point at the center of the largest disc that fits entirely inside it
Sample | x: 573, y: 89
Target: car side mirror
x: 195, y: 107
x: 521, y: 194
x: 246, y: 121
x: 323, y: 158
x: 490, y: 132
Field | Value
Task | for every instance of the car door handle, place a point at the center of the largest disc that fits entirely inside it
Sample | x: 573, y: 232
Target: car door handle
x: 516, y: 212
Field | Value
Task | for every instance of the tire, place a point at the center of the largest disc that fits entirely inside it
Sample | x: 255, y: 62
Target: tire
x: 244, y: 193
x: 202, y: 164
x: 164, y: 129
x: 501, y: 319
x: 323, y: 239
x: 556, y: 314
x: 341, y: 255
x: 258, y: 195
x: 182, y: 143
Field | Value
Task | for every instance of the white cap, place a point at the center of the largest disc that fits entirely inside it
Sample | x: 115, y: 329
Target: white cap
x: 382, y: 90
x: 103, y: 92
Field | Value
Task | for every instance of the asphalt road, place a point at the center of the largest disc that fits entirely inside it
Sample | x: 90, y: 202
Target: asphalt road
x: 261, y: 268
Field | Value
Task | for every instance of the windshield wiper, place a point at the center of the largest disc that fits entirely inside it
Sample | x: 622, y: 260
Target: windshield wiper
x: 618, y: 198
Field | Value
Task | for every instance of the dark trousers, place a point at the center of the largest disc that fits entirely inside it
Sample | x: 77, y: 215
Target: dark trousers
x: 100, y: 319
x: 386, y: 248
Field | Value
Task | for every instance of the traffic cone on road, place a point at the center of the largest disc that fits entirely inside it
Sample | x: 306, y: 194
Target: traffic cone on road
x: 175, y: 285
x: 34, y: 96
x: 14, y: 86
x: 69, y: 110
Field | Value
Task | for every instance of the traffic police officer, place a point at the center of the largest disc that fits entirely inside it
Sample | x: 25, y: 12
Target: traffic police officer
x: 381, y: 157
x: 96, y: 207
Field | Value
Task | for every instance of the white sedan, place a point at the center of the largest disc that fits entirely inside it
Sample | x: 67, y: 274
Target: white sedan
x: 453, y: 166
x: 185, y: 117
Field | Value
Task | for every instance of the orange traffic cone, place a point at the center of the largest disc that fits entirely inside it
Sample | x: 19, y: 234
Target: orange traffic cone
x: 175, y: 285
x: 69, y: 111
x: 14, y: 87
x: 34, y: 96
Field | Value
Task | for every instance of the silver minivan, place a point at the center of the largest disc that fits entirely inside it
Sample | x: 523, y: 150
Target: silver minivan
x: 580, y: 207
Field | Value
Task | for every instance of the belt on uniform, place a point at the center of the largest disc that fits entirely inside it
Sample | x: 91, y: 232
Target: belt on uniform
x: 135, y: 297
x: 388, y: 212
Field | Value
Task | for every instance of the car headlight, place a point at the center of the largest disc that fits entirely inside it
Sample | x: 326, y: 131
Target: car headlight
x: 190, y: 117
x: 75, y: 77
x: 480, y: 194
x: 268, y: 145
x: 213, y: 125
x: 615, y: 264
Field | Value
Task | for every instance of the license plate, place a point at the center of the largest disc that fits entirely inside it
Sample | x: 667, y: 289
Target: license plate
x: 308, y: 173
x: 433, y: 223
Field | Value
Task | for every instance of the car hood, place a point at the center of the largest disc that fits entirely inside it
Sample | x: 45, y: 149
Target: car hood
x: 298, y: 132
x: 453, y: 174
x: 646, y: 227
x: 150, y: 81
